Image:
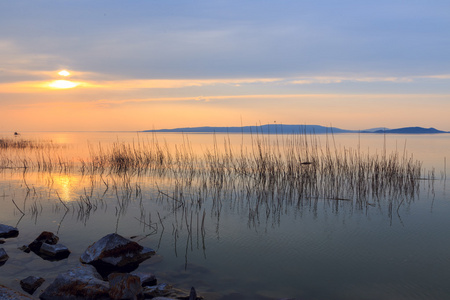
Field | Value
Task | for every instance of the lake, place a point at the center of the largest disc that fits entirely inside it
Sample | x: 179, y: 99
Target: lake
x: 238, y: 216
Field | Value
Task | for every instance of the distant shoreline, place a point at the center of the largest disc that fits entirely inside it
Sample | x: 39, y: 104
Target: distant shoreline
x: 296, y: 129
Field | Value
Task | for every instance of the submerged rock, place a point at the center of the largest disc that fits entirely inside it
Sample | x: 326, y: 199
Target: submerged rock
x: 3, y: 256
x: 10, y: 294
x: 8, y: 231
x: 31, y: 284
x: 54, y: 252
x: 124, y: 286
x: 82, y: 282
x: 116, y: 252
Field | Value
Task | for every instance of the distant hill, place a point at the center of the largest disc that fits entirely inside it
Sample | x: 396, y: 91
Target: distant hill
x: 411, y: 130
x: 295, y: 129
x: 375, y: 129
x: 267, y: 129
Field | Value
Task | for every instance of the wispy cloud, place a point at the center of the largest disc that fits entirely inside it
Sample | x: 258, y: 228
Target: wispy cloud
x: 340, y: 79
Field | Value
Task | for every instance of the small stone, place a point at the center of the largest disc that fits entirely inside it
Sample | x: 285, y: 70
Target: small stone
x: 7, y: 231
x: 25, y: 249
x: 160, y: 290
x: 124, y: 286
x: 56, y: 252
x: 3, y: 256
x: 193, y: 294
x: 31, y: 284
x: 2, y: 241
x: 147, y: 279
x: 44, y: 237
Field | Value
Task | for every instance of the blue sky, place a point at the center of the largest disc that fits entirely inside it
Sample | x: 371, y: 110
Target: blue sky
x: 352, y: 64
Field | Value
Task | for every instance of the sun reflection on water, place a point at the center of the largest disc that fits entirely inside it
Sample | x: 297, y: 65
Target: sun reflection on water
x: 65, y: 185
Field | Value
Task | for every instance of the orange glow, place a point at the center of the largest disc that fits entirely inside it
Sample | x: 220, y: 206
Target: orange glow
x: 63, y: 84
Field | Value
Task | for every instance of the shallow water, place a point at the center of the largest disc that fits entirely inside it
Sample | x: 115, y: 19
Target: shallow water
x: 252, y: 245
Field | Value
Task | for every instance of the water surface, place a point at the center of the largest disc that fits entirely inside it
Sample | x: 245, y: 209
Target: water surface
x: 237, y: 241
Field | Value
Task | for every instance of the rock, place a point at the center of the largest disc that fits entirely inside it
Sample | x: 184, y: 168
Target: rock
x: 116, y: 252
x: 147, y: 279
x: 25, y: 249
x: 54, y: 252
x: 3, y: 256
x: 166, y: 291
x: 10, y: 294
x: 44, y: 237
x: 2, y: 241
x: 124, y: 286
x: 82, y: 282
x: 160, y: 290
x: 31, y: 284
x: 8, y: 231
x: 193, y: 294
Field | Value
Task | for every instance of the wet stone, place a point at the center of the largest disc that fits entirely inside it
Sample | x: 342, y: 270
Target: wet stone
x: 3, y: 256
x: 45, y: 237
x: 124, y: 286
x: 31, y: 284
x: 7, y: 231
x: 25, y: 249
x: 54, y: 252
x: 147, y: 279
x: 116, y: 253
x: 82, y: 282
x: 10, y: 294
x: 160, y: 290
x: 164, y: 290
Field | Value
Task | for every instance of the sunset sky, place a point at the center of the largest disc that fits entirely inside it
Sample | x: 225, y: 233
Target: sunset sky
x: 136, y: 65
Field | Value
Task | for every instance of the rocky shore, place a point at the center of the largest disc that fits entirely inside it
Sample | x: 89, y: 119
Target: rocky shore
x: 106, y: 271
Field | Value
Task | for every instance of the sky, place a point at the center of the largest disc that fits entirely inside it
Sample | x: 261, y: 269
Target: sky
x: 137, y: 65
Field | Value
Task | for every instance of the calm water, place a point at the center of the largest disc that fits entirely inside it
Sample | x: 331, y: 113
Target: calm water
x: 251, y: 245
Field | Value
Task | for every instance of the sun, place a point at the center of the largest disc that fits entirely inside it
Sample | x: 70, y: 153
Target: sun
x: 63, y: 84
x: 64, y: 73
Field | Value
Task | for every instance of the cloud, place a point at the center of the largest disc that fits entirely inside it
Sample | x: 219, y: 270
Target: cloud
x: 340, y: 79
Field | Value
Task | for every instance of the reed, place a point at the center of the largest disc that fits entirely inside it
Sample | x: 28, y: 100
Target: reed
x: 272, y: 173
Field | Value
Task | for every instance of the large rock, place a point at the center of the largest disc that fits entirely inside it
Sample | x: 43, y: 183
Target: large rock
x: 31, y: 284
x: 9, y: 294
x: 8, y: 231
x: 82, y: 282
x: 116, y: 252
x: 124, y: 286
